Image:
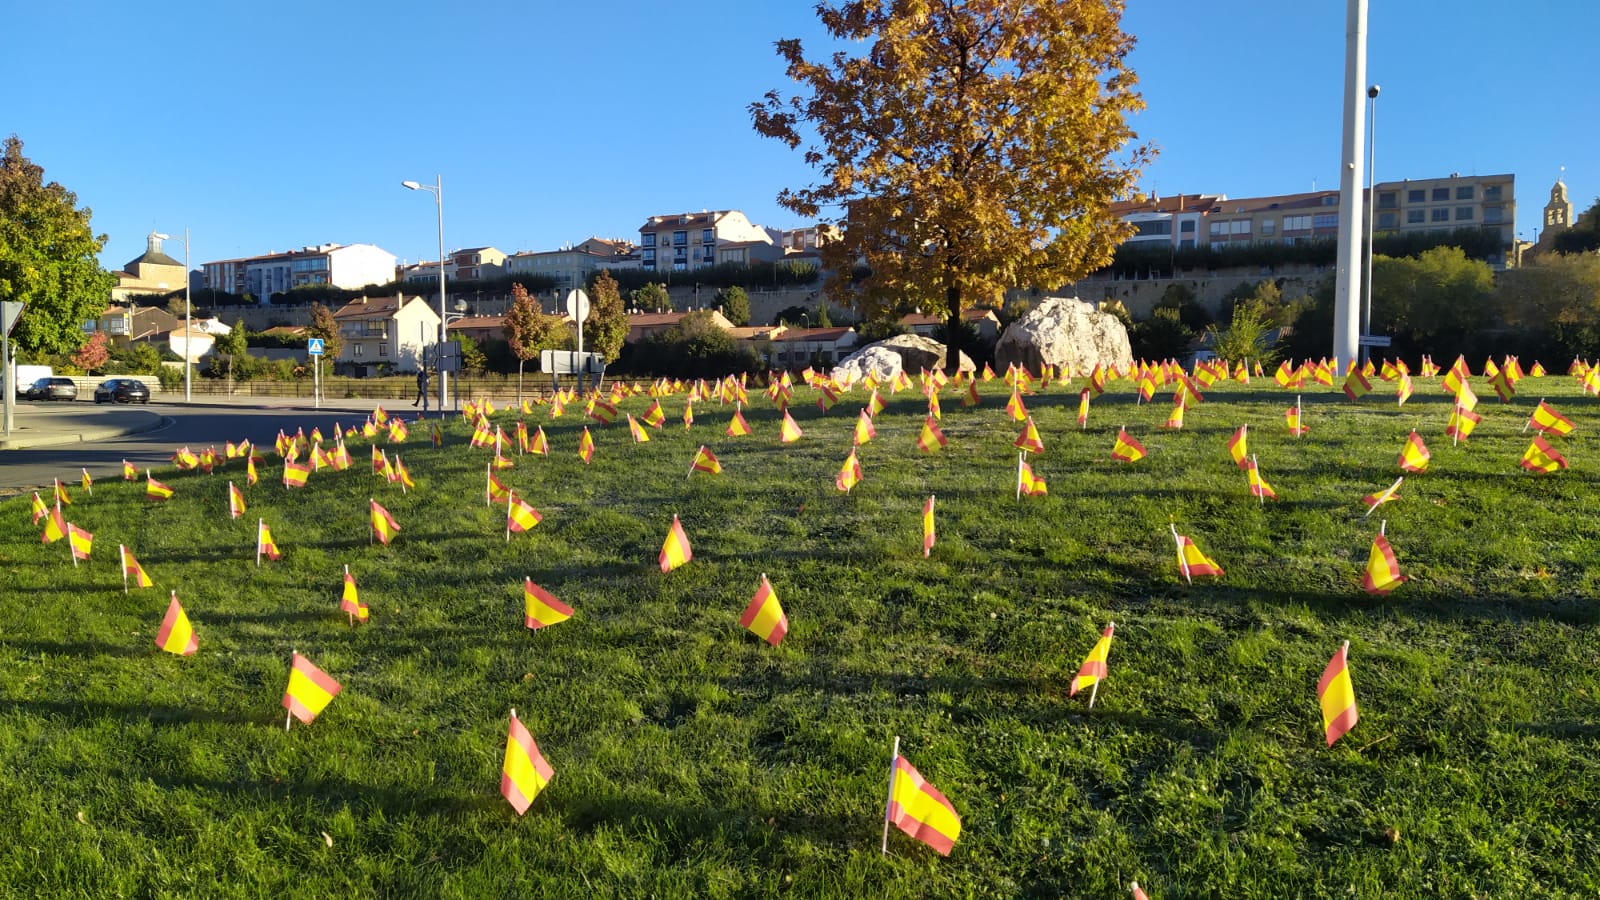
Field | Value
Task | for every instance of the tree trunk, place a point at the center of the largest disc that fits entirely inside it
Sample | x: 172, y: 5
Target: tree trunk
x: 952, y: 329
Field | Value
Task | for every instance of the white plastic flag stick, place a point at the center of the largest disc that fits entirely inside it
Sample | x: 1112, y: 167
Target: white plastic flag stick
x: 511, y: 497
x: 488, y: 473
x: 1261, y: 493
x: 288, y: 715
x: 88, y: 485
x: 122, y: 557
x: 1019, y: 476
x: 258, y: 541
x: 1383, y: 497
x: 889, y: 803
x: 1383, y: 526
x: 1182, y: 563
x: 347, y: 581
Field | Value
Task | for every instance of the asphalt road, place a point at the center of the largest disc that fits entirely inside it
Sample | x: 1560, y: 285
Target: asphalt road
x: 23, y: 470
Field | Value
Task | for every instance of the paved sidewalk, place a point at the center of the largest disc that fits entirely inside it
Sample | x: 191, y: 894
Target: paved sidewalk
x: 38, y: 425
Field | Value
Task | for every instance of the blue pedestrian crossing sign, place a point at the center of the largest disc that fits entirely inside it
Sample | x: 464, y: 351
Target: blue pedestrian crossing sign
x: 314, y: 346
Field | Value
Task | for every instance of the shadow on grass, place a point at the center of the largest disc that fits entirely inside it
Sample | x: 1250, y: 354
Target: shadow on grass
x: 330, y: 795
x: 75, y: 648
x: 89, y: 710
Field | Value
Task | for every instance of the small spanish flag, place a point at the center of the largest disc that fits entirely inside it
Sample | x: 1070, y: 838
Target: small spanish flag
x: 586, y: 446
x: 1541, y: 457
x: 55, y: 528
x: 61, y: 494
x: 864, y: 431
x: 1126, y: 448
x: 1383, y: 570
x: 1027, y: 482
x: 1547, y: 420
x: 524, y: 773
x: 88, y: 483
x: 927, y: 527
x: 1015, y: 407
x: 383, y: 524
x: 294, y: 475
x: 655, y: 415
x: 931, y: 438
x: 520, y: 517
x: 1083, y: 408
x: 129, y: 473
x: 918, y: 809
x: 764, y: 617
x: 154, y: 489
x: 1238, y: 447
x: 264, y: 542
x: 1337, y: 696
x: 540, y: 609
x: 688, y: 413
x: 849, y: 474
x: 640, y: 436
x: 1093, y: 670
x: 1029, y: 438
x: 40, y: 510
x: 1414, y: 455
x: 250, y: 470
x: 1292, y: 417
x: 309, y: 690
x: 738, y: 427
x: 80, y: 540
x: 539, y: 444
x: 705, y: 461
x: 1191, y: 561
x: 176, y: 635
x: 350, y: 602
x: 132, y: 570
x: 1175, y: 419
x: 675, y: 551
x: 789, y: 431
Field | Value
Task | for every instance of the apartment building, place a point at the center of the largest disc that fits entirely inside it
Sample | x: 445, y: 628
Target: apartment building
x: 570, y: 266
x: 340, y: 265
x: 1457, y: 201
x: 384, y: 332
x: 689, y: 241
x: 1166, y: 221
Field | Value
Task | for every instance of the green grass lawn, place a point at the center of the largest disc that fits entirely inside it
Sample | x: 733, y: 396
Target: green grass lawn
x: 692, y: 759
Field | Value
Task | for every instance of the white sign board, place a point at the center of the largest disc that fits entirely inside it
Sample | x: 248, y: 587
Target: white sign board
x: 314, y: 346
x: 578, y: 305
x: 10, y: 312
x: 568, y: 362
x: 1374, y: 340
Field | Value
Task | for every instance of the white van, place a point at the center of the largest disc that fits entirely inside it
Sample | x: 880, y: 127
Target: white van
x: 27, y: 375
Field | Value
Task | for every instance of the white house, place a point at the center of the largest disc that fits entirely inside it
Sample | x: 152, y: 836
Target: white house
x: 387, y: 332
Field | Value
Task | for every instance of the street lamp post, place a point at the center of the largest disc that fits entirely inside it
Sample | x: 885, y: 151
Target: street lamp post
x: 437, y: 190
x: 188, y: 313
x: 1372, y: 206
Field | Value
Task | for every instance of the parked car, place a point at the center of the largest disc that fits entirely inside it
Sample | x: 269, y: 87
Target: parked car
x: 57, y: 388
x: 122, y: 390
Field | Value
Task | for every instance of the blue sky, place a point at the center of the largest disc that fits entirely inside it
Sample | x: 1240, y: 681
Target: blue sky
x: 268, y: 127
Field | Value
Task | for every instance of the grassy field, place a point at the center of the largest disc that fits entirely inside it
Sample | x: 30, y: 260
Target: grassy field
x: 692, y: 759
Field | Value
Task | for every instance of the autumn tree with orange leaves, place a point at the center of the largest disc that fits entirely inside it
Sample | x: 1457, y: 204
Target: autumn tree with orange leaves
x: 972, y: 148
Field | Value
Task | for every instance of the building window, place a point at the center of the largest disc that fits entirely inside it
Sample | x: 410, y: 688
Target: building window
x: 383, y: 349
x: 649, y: 239
x: 1415, y: 217
x: 1491, y: 192
x: 708, y: 236
x: 1266, y: 227
x: 1388, y: 200
x: 680, y: 253
x: 1218, y: 229
x: 1441, y: 194
x: 355, y: 349
x: 1156, y: 228
x: 1492, y: 215
x: 1463, y: 214
x: 1239, y: 226
x: 679, y: 267
x: 1441, y: 215
x: 1325, y: 220
x: 1186, y: 226
x: 1416, y: 196
x: 1464, y: 193
x: 1386, y: 220
x: 680, y: 239
x: 649, y: 257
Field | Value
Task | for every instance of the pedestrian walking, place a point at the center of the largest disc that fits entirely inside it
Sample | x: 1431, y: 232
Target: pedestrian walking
x: 422, y: 389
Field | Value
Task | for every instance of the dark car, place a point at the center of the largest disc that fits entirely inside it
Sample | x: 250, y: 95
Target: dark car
x: 122, y: 390
x: 53, y: 389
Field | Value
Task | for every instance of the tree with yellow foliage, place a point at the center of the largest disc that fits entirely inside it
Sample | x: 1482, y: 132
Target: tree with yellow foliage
x: 975, y: 146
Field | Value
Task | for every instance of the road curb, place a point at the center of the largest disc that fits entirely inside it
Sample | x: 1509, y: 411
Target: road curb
x: 85, y: 435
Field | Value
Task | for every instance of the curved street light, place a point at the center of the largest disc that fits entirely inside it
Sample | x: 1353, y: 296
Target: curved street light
x: 437, y: 190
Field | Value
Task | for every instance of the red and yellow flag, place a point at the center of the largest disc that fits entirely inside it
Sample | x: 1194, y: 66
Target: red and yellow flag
x: 88, y: 483
x: 927, y: 527
x: 931, y: 437
x: 655, y: 416
x: 40, y: 509
x: 1238, y: 447
x: 789, y: 431
x: 1357, y: 386
x: 737, y: 426
x: 131, y: 570
x: 764, y: 617
x: 383, y: 524
x: 586, y: 446
x: 520, y: 516
x: 1541, y: 457
x: 1093, y: 669
x: 864, y: 429
x: 1258, y: 485
x: 539, y: 443
x: 55, y: 528
x: 1547, y: 420
x: 849, y: 474
x: 1383, y: 571
x: 640, y: 436
x: 540, y: 609
x: 1337, y: 696
x: 524, y: 773
x: 129, y: 473
x: 294, y: 475
x: 1414, y: 455
x: 154, y: 489
x: 1015, y: 407
x: 176, y: 635
x: 874, y: 403
x: 309, y: 689
x: 675, y: 550
x: 250, y: 470
x: 1375, y: 500
x: 1126, y: 448
x: 1296, y: 426
x: 1027, y: 482
x: 80, y: 540
x: 918, y: 809
x: 705, y: 461
x: 1462, y: 421
x: 61, y: 494
x: 1029, y: 438
x: 1175, y: 420
x: 1191, y: 561
x: 350, y: 602
x: 1083, y: 408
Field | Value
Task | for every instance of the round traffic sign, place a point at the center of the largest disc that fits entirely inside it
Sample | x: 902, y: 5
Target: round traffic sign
x: 577, y: 305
